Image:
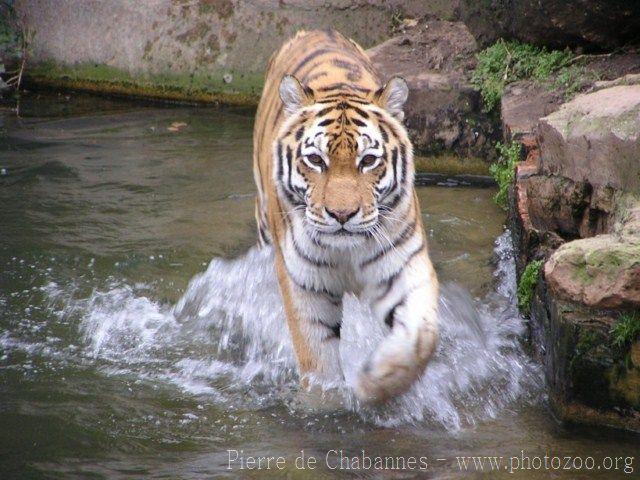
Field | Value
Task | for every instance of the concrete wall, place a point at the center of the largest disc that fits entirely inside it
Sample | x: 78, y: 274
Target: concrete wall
x: 198, y: 45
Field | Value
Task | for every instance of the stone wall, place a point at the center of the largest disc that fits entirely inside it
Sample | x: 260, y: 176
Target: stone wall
x: 194, y: 46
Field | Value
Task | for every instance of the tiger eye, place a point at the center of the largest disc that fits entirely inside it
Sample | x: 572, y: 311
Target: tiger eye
x: 316, y: 160
x: 368, y: 160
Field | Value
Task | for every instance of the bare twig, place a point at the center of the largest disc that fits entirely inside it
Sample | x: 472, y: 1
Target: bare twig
x: 506, y: 68
x: 590, y: 56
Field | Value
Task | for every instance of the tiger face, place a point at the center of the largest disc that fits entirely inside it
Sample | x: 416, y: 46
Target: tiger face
x: 343, y: 159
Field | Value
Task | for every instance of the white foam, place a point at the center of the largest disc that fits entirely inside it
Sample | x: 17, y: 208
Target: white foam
x: 227, y: 336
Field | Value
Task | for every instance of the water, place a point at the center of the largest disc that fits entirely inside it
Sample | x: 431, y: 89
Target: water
x: 142, y: 335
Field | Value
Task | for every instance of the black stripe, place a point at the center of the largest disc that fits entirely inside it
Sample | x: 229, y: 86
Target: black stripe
x: 385, y: 134
x: 335, y: 329
x: 324, y: 111
x: 280, y: 159
x: 326, y: 122
x: 336, y: 86
x: 394, y: 164
x: 360, y: 112
x: 351, y: 97
x: 389, y: 285
x: 289, y: 156
x: 404, y: 236
x: 308, y: 58
x: 406, y: 262
x: 388, y: 126
x: 396, y: 199
x: 333, y: 297
x: 306, y: 258
x: 403, y: 162
x: 359, y: 123
x: 287, y: 185
x: 381, y: 175
x: 390, y: 316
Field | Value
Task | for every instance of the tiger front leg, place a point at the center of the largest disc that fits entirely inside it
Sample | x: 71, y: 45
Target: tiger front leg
x: 314, y: 320
x: 408, y: 305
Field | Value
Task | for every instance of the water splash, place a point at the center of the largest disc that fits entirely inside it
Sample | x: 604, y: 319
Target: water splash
x: 227, y: 338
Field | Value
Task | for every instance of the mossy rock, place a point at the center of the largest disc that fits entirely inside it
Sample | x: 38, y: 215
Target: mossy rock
x: 600, y: 272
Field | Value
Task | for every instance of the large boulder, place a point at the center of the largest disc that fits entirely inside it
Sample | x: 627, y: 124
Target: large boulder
x: 601, y: 272
x: 444, y: 111
x: 595, y: 138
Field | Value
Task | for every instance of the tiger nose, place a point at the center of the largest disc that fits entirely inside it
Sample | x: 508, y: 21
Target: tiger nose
x: 342, y: 216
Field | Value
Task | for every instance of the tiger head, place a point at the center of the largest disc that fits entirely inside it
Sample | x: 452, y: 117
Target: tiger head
x: 344, y: 158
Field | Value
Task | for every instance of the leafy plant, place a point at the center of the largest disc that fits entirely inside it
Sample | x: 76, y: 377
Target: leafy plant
x: 504, y: 169
x: 505, y: 62
x: 626, y: 330
x: 527, y: 283
x: 573, y: 78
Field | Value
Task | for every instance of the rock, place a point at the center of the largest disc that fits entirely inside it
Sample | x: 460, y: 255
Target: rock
x: 602, y: 272
x: 523, y: 104
x: 595, y: 138
x: 629, y: 79
x: 589, y: 380
x: 576, y: 204
x: 444, y: 111
x: 592, y: 24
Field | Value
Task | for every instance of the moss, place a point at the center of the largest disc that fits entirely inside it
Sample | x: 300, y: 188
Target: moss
x: 504, y: 169
x: 591, y: 368
x: 505, y: 62
x: 527, y: 284
x: 197, y: 87
x: 581, y: 273
x: 451, y: 165
x: 587, y: 341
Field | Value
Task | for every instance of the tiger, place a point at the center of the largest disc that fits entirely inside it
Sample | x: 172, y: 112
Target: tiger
x: 334, y: 170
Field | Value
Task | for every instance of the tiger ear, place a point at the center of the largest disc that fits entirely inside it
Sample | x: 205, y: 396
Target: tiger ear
x: 393, y: 96
x: 294, y: 96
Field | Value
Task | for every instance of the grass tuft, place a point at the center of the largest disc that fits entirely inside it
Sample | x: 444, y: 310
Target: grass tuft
x: 505, y: 62
x: 626, y: 330
x: 504, y: 169
x: 527, y: 284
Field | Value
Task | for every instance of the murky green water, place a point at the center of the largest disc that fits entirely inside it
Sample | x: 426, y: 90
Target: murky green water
x: 106, y: 215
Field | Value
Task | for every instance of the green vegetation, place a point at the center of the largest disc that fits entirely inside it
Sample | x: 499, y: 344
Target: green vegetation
x: 504, y: 169
x: 505, y: 62
x: 626, y: 330
x: 527, y: 283
x: 573, y: 78
x: 396, y: 20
